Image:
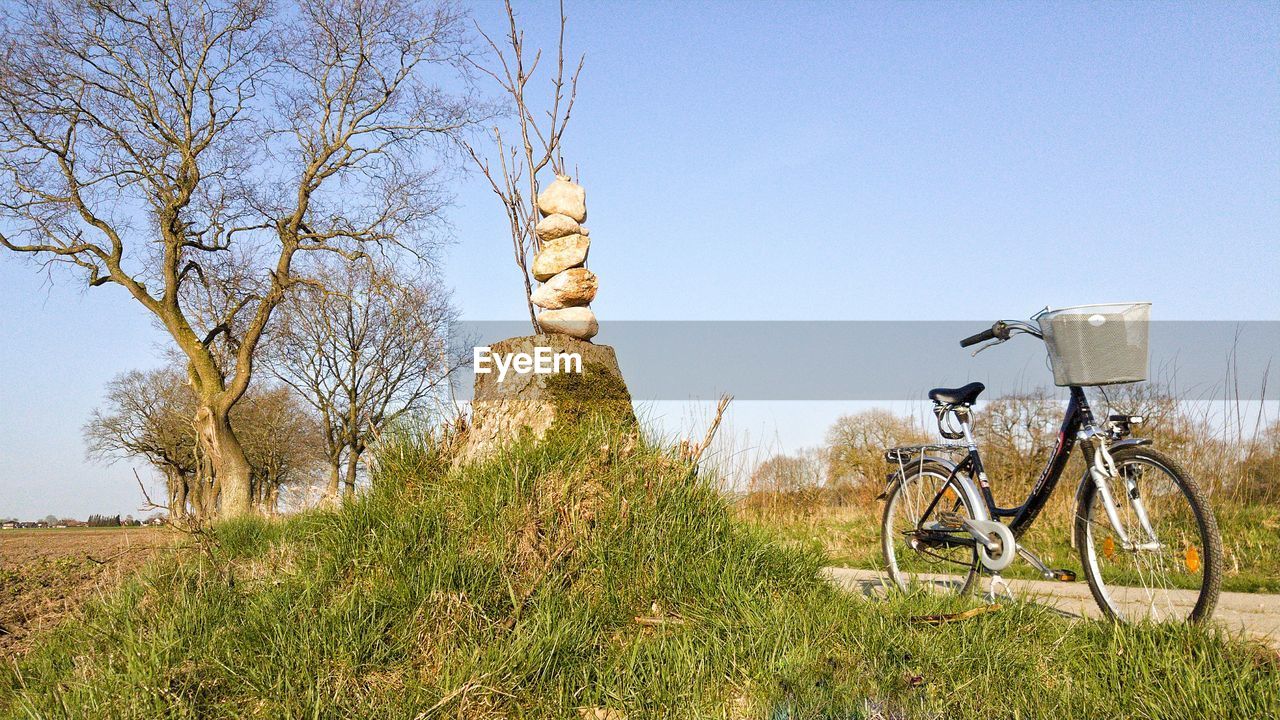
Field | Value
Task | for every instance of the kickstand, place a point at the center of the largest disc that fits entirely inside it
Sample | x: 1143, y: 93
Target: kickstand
x: 997, y: 583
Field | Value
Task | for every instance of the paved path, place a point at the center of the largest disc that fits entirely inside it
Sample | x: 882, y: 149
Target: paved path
x: 1254, y: 614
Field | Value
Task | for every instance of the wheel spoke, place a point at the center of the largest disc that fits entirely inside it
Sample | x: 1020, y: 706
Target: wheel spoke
x: 933, y: 565
x: 1134, y: 581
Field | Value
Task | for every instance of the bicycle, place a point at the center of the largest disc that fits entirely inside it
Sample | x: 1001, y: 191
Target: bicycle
x: 1155, y: 555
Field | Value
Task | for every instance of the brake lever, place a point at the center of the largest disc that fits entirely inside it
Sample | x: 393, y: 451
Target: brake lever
x: 988, y: 344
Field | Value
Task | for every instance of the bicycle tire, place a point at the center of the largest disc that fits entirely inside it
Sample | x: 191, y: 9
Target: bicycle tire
x: 1207, y: 530
x: 898, y: 576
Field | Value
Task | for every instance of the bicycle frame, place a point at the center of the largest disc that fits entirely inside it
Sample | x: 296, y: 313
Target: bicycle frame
x: 1078, y: 417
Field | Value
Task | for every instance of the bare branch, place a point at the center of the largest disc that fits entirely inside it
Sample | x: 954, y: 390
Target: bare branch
x: 538, y: 147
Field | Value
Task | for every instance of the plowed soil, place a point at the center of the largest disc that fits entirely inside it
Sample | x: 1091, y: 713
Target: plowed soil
x: 46, y: 575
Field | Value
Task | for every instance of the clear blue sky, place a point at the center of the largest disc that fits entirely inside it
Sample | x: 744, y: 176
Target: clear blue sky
x: 817, y: 161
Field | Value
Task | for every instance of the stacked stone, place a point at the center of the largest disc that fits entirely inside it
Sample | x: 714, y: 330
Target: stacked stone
x: 567, y: 287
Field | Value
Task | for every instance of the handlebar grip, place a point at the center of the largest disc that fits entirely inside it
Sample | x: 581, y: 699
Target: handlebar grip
x: 985, y: 335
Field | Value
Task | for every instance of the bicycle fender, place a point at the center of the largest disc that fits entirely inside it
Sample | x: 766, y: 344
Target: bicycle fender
x: 976, y: 503
x: 895, y: 477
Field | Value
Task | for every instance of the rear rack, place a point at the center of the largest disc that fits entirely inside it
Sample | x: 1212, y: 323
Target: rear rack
x: 907, y: 453
x: 900, y: 457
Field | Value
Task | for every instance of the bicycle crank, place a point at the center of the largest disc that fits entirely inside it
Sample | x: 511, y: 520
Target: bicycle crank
x: 996, y: 546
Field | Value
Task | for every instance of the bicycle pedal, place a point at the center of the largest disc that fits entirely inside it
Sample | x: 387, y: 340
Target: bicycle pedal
x: 1064, y: 575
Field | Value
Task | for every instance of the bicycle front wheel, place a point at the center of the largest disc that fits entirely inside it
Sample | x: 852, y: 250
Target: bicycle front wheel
x: 1171, y: 572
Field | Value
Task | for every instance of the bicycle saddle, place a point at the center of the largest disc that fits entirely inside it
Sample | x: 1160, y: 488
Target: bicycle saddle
x: 965, y: 395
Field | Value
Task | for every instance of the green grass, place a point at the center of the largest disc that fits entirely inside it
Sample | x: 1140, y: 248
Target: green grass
x: 511, y: 589
x: 851, y: 538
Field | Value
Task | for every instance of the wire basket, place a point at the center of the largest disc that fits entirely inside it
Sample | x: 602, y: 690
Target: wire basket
x: 1097, y: 344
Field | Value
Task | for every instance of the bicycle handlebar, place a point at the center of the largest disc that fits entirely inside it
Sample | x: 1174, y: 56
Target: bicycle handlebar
x: 985, y: 335
x: 1000, y: 330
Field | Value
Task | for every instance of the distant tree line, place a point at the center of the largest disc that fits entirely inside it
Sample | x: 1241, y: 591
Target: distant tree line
x: 1237, y: 459
x: 342, y: 363
x: 50, y: 521
x: 111, y: 521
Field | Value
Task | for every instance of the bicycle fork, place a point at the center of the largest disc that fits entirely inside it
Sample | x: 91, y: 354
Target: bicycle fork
x: 1102, y: 470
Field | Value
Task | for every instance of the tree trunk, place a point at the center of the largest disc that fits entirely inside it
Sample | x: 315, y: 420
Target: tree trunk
x: 178, y: 511
x: 173, y: 488
x: 178, y: 485
x: 195, y: 497
x: 230, y: 466
x: 352, y: 458
x: 208, y: 497
x: 335, y: 477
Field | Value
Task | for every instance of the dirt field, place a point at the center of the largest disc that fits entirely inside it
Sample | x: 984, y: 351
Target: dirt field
x: 47, y: 574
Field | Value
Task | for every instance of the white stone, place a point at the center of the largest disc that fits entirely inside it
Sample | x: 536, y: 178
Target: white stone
x: 564, y: 197
x: 554, y: 226
x: 571, y: 288
x: 577, y: 322
x: 560, y: 254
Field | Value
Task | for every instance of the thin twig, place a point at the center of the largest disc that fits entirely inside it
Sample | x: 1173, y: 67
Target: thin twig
x: 711, y: 431
x: 537, y: 147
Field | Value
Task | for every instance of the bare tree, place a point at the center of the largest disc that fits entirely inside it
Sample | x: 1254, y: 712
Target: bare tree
x: 148, y: 414
x: 856, y: 445
x: 537, y: 145
x: 193, y: 151
x: 283, y: 441
x: 364, y: 347
x: 1017, y: 433
x: 788, y: 482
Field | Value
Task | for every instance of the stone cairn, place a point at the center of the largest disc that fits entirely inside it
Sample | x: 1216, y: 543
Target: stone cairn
x: 567, y: 287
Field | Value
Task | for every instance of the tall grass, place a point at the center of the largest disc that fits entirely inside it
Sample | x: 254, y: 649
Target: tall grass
x: 593, y: 570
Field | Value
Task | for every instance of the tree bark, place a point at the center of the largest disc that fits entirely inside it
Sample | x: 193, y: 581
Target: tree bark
x: 173, y: 489
x: 227, y: 456
x: 178, y: 510
x: 352, y: 458
x: 335, y: 478
x: 177, y: 481
x: 202, y: 496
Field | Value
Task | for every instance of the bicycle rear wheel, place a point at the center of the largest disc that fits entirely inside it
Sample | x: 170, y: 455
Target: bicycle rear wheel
x: 1176, y: 577
x: 926, y: 559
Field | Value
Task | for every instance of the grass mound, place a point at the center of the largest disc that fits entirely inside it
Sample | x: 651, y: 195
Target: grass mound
x: 584, y: 575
